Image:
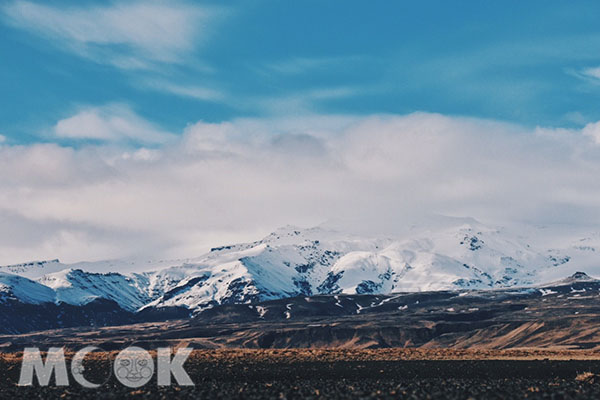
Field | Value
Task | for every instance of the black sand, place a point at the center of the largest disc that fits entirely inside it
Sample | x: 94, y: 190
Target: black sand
x: 414, y: 379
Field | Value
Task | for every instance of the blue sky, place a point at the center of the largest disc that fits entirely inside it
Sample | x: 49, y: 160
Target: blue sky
x: 163, y: 128
x: 526, y: 62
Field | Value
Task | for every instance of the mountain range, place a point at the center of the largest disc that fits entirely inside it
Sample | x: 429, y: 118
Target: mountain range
x: 446, y: 254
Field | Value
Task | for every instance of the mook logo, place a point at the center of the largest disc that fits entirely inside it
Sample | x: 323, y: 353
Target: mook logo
x: 133, y: 367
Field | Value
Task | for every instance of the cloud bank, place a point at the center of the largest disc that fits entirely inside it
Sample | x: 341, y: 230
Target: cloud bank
x: 239, y: 179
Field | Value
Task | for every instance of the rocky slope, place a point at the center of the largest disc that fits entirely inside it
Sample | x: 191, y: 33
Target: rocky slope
x: 562, y: 315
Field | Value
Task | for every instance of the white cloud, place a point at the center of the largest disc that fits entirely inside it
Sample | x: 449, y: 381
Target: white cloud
x: 304, y: 101
x: 302, y: 65
x: 113, y: 123
x: 593, y: 130
x: 2, y: 138
x: 591, y: 72
x: 191, y: 91
x: 128, y: 35
x: 239, y: 179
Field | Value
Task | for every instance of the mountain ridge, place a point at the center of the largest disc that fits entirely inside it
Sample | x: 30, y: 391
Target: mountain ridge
x: 292, y: 261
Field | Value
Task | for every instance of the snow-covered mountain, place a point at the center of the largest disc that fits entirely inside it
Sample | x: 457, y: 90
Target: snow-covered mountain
x: 74, y: 286
x: 450, y: 254
x: 19, y: 288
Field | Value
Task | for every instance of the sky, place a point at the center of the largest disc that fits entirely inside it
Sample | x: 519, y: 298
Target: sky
x: 162, y: 128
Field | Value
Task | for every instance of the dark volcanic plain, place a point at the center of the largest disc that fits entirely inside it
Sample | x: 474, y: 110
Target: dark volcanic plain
x: 341, y: 374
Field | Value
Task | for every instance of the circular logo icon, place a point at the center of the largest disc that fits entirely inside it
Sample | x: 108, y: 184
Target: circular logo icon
x: 134, y: 367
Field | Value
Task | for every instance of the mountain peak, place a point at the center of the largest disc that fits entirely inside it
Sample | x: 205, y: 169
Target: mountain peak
x: 575, y: 278
x: 287, y: 230
x: 32, y: 263
x: 33, y: 269
x: 581, y: 276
